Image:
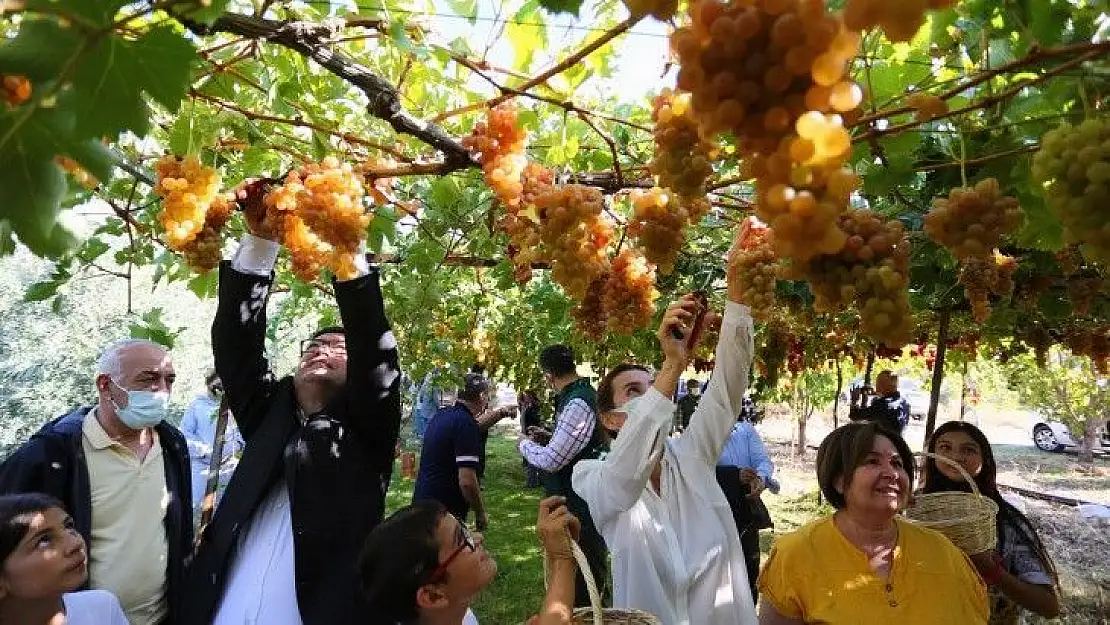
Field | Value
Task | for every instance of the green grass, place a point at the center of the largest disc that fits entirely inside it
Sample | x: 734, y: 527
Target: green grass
x: 518, y: 590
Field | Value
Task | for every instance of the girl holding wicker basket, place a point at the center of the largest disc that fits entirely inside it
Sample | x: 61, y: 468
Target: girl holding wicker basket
x: 1019, y: 571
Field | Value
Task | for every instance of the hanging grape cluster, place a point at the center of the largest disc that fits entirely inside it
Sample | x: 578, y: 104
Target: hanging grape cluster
x: 661, y: 10
x: 575, y: 233
x: 900, y: 20
x: 14, y: 90
x: 187, y: 188
x: 681, y: 161
x: 871, y: 273
x: 319, y: 218
x: 658, y: 223
x: 1082, y: 292
x: 926, y: 107
x: 971, y: 223
x: 756, y: 267
x: 628, y: 298
x: 589, y: 314
x: 498, y: 143
x: 1073, y: 164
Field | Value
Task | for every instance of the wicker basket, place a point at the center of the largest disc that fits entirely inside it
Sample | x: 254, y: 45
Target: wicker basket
x: 595, y: 614
x: 967, y: 519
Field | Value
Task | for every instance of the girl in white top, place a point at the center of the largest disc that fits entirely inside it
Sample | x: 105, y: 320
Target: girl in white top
x: 676, y: 551
x: 42, y: 560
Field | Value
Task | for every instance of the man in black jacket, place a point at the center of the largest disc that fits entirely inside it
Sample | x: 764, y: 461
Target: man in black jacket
x: 123, y: 474
x: 311, y: 484
x: 888, y: 408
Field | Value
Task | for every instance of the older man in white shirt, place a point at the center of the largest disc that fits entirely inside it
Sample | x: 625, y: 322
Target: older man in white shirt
x: 676, y: 550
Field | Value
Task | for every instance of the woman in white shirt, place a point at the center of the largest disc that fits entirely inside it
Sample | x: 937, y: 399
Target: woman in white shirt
x: 42, y: 561
x: 676, y: 551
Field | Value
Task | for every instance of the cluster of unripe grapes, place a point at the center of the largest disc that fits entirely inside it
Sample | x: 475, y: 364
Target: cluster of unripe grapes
x: 1073, y: 164
x: 320, y: 217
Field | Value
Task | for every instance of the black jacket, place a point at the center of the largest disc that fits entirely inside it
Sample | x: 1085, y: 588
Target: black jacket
x: 336, y: 466
x: 53, y: 462
x: 891, y: 412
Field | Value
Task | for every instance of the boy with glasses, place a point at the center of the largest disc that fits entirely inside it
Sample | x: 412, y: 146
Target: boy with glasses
x: 422, y: 566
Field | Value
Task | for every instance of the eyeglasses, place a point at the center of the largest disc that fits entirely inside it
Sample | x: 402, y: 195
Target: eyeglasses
x: 466, y: 539
x: 314, y: 347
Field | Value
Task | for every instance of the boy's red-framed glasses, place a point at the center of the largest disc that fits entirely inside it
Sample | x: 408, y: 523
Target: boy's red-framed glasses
x: 466, y: 541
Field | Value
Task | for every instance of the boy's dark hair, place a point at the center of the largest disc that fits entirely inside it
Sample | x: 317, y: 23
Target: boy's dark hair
x: 399, y: 556
x: 558, y: 360
x: 328, y: 330
x: 605, y: 387
x: 211, y: 377
x: 845, y: 449
x: 15, y: 518
x: 473, y: 386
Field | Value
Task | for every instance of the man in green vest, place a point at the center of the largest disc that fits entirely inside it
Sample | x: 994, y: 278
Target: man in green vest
x: 578, y: 436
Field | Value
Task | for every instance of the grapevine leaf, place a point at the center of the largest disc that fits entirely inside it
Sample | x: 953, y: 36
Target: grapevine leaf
x: 204, y: 285
x: 109, y: 85
x: 92, y: 249
x: 205, y: 12
x: 465, y: 8
x: 40, y: 50
x: 40, y: 291
x: 98, y: 13
x: 562, y: 6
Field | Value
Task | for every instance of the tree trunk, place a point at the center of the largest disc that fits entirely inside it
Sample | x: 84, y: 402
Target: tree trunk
x: 938, y: 372
x: 839, y: 389
x: 870, y: 366
x: 963, y: 393
x: 1087, y: 445
x: 800, y: 446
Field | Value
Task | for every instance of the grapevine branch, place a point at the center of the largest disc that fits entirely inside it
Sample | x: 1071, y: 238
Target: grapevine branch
x: 1035, y: 56
x: 309, y: 39
x: 575, y: 58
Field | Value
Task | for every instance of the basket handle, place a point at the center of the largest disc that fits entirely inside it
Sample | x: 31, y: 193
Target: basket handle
x: 959, y: 467
x: 587, y: 575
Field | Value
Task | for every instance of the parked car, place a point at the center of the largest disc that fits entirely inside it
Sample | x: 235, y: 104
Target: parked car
x: 913, y: 391
x: 1049, y: 435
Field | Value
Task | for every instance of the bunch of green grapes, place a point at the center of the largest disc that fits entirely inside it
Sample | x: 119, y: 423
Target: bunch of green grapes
x: 187, y: 188
x: 871, y: 273
x: 628, y: 299
x: 658, y: 223
x: 575, y: 234
x: 754, y: 67
x: 756, y: 267
x: 971, y: 221
x: 978, y: 275
x: 1073, y: 165
x: 681, y: 159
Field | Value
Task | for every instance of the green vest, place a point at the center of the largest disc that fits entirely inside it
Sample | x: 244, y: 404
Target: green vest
x: 559, y: 482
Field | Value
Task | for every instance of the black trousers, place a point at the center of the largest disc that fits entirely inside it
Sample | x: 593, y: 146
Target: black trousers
x: 737, y: 495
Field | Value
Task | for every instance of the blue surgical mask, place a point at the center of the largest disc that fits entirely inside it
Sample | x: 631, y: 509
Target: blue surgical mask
x: 144, y: 409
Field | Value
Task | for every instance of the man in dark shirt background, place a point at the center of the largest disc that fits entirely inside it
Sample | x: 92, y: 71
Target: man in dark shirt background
x: 888, y: 408
x: 452, y: 452
x: 688, y: 402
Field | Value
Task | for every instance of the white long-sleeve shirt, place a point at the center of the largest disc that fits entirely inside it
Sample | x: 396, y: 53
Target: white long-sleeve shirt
x: 676, y: 552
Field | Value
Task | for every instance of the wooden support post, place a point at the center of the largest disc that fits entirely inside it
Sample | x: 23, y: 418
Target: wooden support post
x: 938, y: 371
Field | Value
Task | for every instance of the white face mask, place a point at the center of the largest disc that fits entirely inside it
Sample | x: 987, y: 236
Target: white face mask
x: 144, y: 409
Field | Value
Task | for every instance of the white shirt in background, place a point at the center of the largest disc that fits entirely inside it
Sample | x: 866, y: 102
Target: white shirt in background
x: 676, y: 553
x: 93, y: 607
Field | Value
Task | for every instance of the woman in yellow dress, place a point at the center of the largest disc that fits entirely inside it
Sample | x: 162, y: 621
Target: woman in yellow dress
x: 865, y: 564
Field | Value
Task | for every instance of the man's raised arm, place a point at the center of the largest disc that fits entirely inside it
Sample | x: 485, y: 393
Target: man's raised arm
x: 239, y: 331
x: 373, y: 394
